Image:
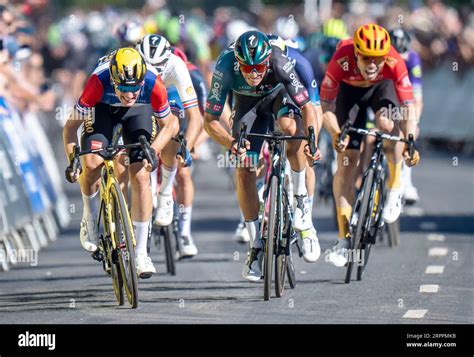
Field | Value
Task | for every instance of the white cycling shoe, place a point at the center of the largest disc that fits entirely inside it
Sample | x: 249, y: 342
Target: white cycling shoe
x: 89, y: 235
x: 393, y: 205
x: 252, y: 270
x: 339, y: 253
x: 311, y: 248
x: 145, y: 267
x: 164, y: 210
x: 302, y: 216
x: 242, y: 234
x: 186, y: 247
x: 411, y: 195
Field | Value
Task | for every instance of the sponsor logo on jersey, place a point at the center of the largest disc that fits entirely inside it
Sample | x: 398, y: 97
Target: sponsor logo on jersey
x: 288, y: 66
x: 295, y: 82
x: 96, y: 144
x: 344, y: 63
x: 218, y: 74
x: 216, y: 92
x: 416, y: 71
x: 300, y: 97
x: 217, y: 107
x: 190, y: 90
x: 328, y: 82
x: 406, y: 81
x: 208, y: 105
x: 391, y: 62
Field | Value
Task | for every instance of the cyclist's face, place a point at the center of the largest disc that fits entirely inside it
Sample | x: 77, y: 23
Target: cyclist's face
x: 253, y: 75
x: 127, y: 99
x: 370, y: 67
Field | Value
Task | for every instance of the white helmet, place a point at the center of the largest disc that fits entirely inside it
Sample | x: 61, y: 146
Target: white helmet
x: 286, y: 27
x: 156, y: 50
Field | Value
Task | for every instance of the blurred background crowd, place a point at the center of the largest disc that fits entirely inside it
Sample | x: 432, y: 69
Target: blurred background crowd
x: 49, y: 47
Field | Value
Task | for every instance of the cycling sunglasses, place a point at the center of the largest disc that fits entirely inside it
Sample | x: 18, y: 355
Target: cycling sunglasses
x: 127, y: 89
x: 259, y: 68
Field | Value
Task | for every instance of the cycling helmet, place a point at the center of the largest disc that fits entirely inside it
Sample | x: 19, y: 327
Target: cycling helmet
x: 335, y: 28
x: 156, y: 50
x: 127, y: 68
x: 400, y: 40
x: 130, y: 32
x: 286, y: 27
x: 252, y: 48
x: 371, y: 40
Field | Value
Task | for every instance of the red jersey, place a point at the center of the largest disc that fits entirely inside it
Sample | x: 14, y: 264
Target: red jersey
x: 343, y: 67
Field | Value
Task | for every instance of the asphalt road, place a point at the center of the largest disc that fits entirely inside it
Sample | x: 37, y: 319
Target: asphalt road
x: 67, y: 286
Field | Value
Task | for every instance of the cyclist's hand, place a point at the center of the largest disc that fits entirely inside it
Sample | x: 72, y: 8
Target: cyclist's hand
x: 151, y: 166
x: 312, y: 158
x: 71, y: 176
x: 342, y: 146
x: 239, y: 152
x: 411, y: 162
x: 188, y: 158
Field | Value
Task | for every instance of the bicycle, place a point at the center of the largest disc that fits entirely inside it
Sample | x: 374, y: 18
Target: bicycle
x: 116, y: 249
x: 366, y: 219
x: 169, y: 235
x: 277, y: 229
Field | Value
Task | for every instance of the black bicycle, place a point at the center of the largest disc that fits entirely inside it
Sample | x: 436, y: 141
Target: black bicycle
x: 277, y: 223
x: 366, y: 219
x: 167, y: 236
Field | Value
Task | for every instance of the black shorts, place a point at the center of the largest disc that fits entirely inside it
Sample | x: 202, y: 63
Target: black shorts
x: 358, y: 100
x: 136, y: 121
x: 261, y: 120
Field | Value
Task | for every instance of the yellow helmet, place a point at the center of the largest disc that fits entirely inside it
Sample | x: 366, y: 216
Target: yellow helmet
x: 335, y: 28
x: 372, y: 40
x: 127, y: 67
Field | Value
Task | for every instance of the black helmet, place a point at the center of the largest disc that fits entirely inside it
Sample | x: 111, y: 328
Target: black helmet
x: 400, y: 40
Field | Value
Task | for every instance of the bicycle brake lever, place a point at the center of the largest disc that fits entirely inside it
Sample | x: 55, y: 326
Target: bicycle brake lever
x: 411, y: 146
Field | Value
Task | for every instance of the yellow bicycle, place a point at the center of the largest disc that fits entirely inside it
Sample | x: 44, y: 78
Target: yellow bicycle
x: 116, y: 249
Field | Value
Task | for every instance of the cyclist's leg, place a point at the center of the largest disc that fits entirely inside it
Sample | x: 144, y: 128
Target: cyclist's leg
x: 136, y: 122
x: 169, y: 167
x: 97, y: 132
x: 388, y: 119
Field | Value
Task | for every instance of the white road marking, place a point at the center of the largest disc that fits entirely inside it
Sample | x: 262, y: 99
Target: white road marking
x: 413, y: 211
x: 428, y: 226
x: 303, y: 272
x: 434, y: 269
x: 429, y: 288
x: 415, y: 314
x: 437, y: 252
x: 436, y: 237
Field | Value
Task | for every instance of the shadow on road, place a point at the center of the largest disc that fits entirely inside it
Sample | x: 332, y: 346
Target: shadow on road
x: 461, y: 224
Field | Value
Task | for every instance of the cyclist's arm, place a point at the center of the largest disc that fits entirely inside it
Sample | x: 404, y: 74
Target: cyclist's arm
x: 168, y: 123
x: 84, y: 110
x: 181, y: 79
x: 220, y: 87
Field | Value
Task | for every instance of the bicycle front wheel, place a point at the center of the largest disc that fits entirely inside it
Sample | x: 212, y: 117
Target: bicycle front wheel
x: 271, y: 204
x: 123, y: 237
x: 360, y: 210
x: 283, y: 245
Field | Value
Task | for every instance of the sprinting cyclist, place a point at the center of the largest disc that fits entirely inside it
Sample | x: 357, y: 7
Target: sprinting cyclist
x: 265, y: 86
x: 173, y: 70
x: 122, y: 89
x: 366, y: 72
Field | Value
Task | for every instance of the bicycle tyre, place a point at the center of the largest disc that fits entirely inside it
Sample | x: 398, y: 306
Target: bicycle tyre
x: 362, y: 213
x: 170, y: 238
x: 271, y: 230
x: 127, y: 259
x: 282, y: 252
x: 290, y: 270
x: 361, y: 267
x: 115, y: 271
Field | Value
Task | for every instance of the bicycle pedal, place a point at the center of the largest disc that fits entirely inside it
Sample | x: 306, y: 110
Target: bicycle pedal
x: 97, y: 255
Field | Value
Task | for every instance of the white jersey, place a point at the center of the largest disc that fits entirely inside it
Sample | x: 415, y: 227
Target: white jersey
x: 176, y: 74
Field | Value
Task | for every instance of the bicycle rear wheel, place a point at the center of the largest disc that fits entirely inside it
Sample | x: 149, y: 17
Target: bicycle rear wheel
x: 271, y: 202
x: 360, y: 209
x: 123, y: 236
x: 365, y: 252
x: 290, y: 270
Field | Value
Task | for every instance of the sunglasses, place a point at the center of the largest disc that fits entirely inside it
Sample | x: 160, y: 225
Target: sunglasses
x: 127, y: 89
x: 259, y: 68
x: 377, y: 60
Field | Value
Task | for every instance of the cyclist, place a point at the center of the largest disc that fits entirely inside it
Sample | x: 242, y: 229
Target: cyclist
x: 157, y: 51
x: 264, y: 85
x: 122, y: 89
x: 366, y: 72
x: 401, y: 41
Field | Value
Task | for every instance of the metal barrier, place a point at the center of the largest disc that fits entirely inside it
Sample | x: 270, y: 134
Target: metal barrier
x: 32, y: 203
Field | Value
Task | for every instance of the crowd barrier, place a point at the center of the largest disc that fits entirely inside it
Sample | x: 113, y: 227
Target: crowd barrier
x: 33, y: 206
